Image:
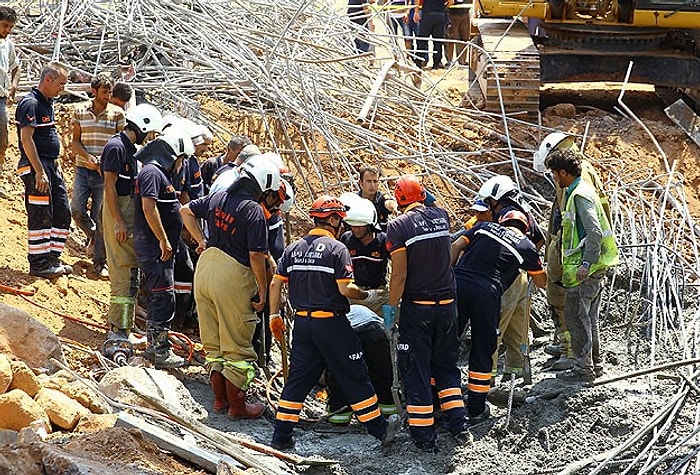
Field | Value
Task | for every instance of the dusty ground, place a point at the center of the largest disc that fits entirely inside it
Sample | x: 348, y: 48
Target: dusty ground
x: 543, y: 435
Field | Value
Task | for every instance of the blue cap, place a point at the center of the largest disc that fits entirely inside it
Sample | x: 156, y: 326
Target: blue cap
x: 480, y: 205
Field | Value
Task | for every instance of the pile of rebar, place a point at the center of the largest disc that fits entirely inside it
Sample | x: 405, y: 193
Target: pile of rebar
x: 291, y: 72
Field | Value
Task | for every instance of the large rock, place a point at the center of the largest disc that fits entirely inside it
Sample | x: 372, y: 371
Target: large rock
x: 18, y: 410
x: 28, y: 339
x: 96, y: 422
x: 5, y: 373
x: 75, y: 389
x: 23, y: 378
x: 63, y: 411
x: 153, y: 382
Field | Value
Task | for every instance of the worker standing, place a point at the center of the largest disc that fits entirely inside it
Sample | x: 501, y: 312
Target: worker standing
x: 428, y: 345
x: 211, y: 165
x: 118, y: 167
x: 588, y: 249
x: 317, y: 269
x: 369, y: 190
x: 493, y: 255
x: 230, y: 282
x: 157, y: 227
x: 556, y: 293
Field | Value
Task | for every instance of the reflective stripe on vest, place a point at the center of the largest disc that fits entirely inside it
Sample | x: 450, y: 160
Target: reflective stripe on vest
x: 572, y: 245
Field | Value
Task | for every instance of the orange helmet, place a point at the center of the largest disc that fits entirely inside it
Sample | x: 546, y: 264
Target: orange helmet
x: 327, y: 205
x: 517, y: 217
x: 408, y: 190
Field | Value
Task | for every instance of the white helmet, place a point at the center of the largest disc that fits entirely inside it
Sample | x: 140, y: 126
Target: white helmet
x: 497, y: 188
x: 146, y: 118
x: 176, y: 137
x: 349, y: 199
x: 361, y: 213
x: 288, y: 203
x: 553, y: 141
x: 263, y: 172
x: 170, y: 120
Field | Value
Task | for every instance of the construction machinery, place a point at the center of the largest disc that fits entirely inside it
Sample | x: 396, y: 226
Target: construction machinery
x: 553, y: 41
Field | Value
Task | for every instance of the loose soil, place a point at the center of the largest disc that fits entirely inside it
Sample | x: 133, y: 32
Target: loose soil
x: 543, y: 435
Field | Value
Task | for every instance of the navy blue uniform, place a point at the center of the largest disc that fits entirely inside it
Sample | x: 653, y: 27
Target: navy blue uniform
x: 428, y: 341
x: 433, y: 23
x: 195, y: 178
x: 209, y: 168
x: 152, y: 182
x: 369, y: 262
x: 48, y: 215
x: 488, y: 266
x: 118, y: 157
x: 323, y: 338
x: 534, y: 232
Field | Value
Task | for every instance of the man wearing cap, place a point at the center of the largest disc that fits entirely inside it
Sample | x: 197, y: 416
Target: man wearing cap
x: 422, y: 279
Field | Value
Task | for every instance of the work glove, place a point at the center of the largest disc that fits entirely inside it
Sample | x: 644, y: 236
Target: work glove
x: 582, y: 273
x: 277, y: 326
x: 389, y: 312
x: 374, y: 296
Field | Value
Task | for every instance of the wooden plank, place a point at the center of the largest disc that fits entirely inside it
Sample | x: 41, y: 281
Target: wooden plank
x: 684, y: 117
x: 203, y: 458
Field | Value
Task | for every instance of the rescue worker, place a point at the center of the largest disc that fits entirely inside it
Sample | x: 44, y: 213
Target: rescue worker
x: 228, y: 173
x: 211, y: 165
x: 502, y: 196
x: 369, y: 328
x: 118, y: 167
x: 588, y: 249
x: 367, y: 246
x: 428, y: 346
x: 317, y: 269
x: 230, y: 282
x: 45, y: 196
x: 369, y: 190
x: 556, y: 293
x: 157, y: 228
x: 493, y: 255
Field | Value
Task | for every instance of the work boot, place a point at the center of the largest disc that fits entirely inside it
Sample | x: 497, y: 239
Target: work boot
x: 340, y: 418
x: 388, y: 409
x: 393, y: 425
x: 239, y: 408
x: 563, y: 363
x: 218, y: 387
x: 48, y: 272
x: 553, y: 349
x: 159, y: 351
x: 283, y: 445
x: 577, y: 375
x: 483, y: 417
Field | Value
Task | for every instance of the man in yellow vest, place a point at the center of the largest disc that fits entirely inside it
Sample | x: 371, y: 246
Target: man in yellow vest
x: 587, y: 249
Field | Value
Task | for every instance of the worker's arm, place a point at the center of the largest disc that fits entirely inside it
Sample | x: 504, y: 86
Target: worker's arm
x: 191, y: 223
x: 257, y: 265
x: 391, y: 206
x: 399, y: 269
x: 539, y: 278
x: 458, y: 246
x: 112, y: 202
x: 150, y: 211
x: 41, y: 181
x: 14, y: 84
x: 93, y: 163
x: 352, y: 291
x: 275, y: 295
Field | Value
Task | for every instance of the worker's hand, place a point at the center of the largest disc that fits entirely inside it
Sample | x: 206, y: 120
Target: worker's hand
x: 93, y: 163
x: 389, y: 312
x: 201, y: 246
x: 416, y: 16
x: 582, y: 273
x: 258, y: 302
x: 41, y: 182
x: 166, y: 250
x: 374, y: 296
x: 120, y: 231
x: 277, y: 326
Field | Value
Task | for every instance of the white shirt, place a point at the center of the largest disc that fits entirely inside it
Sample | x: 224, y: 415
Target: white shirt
x: 8, y: 62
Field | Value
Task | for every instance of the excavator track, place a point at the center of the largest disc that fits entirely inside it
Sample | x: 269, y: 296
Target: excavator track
x: 515, y: 61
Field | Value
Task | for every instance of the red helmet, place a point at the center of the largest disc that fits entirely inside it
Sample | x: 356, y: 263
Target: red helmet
x: 516, y: 216
x: 327, y: 205
x: 408, y: 190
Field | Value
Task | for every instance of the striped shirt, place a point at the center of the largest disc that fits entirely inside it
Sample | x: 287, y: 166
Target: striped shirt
x: 95, y: 131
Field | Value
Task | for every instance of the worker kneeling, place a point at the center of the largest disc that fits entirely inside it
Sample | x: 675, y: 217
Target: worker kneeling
x: 317, y: 269
x: 369, y: 328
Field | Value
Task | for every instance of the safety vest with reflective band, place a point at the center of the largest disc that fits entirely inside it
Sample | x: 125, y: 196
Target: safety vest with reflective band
x: 573, y: 245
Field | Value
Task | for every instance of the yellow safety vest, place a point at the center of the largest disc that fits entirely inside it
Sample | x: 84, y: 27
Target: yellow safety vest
x: 572, y: 245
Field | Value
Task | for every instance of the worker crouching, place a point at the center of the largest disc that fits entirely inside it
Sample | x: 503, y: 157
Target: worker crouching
x: 230, y: 284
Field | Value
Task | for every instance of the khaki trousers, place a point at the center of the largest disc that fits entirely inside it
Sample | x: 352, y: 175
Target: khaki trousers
x: 123, y: 268
x: 223, y: 288
x: 513, y: 326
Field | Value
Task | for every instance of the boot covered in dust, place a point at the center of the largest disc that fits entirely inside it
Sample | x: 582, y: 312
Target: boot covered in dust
x: 240, y: 409
x: 218, y: 386
x: 159, y: 351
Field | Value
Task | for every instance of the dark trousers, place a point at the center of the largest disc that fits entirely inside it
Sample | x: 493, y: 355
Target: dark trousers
x: 428, y: 347
x: 375, y: 348
x: 432, y: 24
x: 183, y: 276
x: 320, y: 343
x: 481, y: 307
x: 48, y: 217
x: 159, y: 283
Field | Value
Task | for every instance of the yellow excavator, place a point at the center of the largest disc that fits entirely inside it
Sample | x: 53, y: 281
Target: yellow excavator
x: 582, y: 41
